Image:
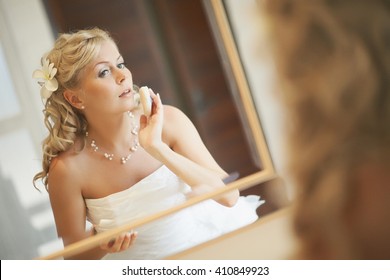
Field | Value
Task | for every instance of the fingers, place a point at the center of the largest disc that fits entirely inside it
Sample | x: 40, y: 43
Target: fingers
x: 128, y: 240
x: 152, y: 94
x: 143, y: 121
x: 121, y: 243
x: 156, y: 104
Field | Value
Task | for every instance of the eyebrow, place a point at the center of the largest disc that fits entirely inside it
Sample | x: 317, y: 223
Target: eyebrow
x: 103, y: 62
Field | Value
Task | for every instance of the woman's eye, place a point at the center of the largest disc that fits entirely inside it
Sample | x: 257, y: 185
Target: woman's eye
x: 104, y: 73
x: 121, y: 65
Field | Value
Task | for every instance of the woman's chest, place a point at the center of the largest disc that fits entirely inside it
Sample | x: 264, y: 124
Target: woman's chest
x: 106, y: 177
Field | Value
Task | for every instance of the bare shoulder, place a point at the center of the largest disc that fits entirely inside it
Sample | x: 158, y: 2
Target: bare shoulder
x: 175, y: 118
x: 172, y: 113
x: 177, y: 125
x: 64, y: 170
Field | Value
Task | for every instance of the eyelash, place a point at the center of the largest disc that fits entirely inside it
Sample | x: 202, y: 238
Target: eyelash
x: 103, y: 73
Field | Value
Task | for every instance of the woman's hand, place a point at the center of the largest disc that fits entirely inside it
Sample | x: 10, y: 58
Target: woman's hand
x: 151, y: 127
x: 120, y: 243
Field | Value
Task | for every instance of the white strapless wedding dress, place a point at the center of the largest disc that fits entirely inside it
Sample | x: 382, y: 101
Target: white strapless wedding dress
x: 159, y: 191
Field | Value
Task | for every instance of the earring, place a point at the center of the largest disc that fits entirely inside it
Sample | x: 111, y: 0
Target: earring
x: 82, y: 107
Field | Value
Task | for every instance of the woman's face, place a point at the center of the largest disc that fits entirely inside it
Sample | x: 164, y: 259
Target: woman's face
x: 107, y: 84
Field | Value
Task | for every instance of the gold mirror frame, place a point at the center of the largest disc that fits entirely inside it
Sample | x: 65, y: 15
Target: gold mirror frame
x: 242, y: 96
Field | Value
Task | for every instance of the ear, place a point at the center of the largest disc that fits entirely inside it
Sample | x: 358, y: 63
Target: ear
x: 73, y: 99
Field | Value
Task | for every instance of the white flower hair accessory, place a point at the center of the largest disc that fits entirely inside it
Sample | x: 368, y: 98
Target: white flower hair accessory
x: 48, y: 82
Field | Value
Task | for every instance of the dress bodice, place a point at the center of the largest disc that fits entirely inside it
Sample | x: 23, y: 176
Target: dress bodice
x: 159, y: 191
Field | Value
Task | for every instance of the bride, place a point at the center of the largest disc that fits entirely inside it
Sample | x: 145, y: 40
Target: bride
x: 105, y: 161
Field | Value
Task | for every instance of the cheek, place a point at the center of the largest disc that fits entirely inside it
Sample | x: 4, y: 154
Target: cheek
x: 97, y: 94
x: 129, y: 75
x: 99, y: 87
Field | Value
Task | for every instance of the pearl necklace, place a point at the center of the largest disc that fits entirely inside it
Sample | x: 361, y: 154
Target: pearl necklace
x: 109, y: 156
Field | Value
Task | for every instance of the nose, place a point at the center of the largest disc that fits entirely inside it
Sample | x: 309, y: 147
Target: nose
x: 120, y: 76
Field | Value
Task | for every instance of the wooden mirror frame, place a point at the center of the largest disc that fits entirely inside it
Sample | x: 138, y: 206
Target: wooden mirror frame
x: 242, y: 97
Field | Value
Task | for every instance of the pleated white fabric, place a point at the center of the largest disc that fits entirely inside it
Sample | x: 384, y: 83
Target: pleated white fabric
x: 159, y: 191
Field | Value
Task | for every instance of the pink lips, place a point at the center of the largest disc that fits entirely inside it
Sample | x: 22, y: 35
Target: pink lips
x: 125, y: 93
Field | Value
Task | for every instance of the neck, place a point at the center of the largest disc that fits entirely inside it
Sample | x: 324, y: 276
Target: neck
x: 113, y: 135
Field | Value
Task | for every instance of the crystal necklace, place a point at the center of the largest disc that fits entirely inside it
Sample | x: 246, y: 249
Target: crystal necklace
x: 133, y: 148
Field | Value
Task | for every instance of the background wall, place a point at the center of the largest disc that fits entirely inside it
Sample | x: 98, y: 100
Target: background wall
x: 27, y: 225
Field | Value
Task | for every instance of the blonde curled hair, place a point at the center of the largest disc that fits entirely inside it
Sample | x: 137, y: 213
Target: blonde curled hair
x: 71, y: 53
x: 333, y: 61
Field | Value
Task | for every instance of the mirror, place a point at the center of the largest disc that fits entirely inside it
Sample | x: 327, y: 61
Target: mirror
x: 158, y: 57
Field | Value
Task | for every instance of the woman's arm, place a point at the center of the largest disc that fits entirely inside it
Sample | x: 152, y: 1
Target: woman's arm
x: 171, y: 137
x: 70, y: 212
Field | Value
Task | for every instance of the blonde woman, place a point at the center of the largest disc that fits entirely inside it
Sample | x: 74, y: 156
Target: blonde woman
x: 333, y: 61
x: 105, y: 161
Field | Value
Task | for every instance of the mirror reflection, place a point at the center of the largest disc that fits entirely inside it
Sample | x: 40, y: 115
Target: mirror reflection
x: 181, y: 63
